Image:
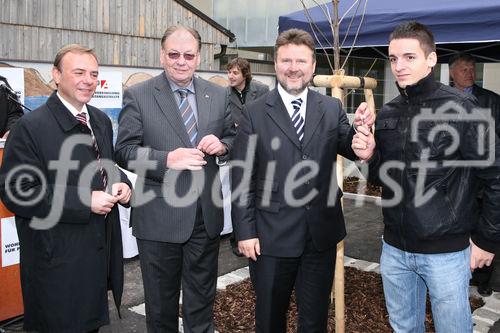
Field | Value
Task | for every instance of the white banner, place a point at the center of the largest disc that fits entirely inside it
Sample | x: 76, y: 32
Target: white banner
x: 15, y: 77
x: 10, y: 242
x: 108, y: 94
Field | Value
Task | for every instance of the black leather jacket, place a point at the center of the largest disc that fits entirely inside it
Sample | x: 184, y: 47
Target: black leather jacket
x: 435, y: 208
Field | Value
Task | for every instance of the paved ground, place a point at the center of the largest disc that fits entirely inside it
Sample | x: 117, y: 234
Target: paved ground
x: 364, y: 225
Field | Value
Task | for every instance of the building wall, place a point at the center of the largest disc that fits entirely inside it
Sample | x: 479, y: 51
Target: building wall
x: 122, y: 32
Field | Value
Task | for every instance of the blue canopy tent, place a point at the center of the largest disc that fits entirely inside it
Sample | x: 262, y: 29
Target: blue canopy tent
x: 458, y: 25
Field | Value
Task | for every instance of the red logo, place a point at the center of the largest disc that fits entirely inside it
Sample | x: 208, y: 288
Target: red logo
x: 103, y: 84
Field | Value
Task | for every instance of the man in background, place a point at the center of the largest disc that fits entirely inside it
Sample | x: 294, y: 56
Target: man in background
x: 463, y: 73
x: 10, y: 109
x: 242, y: 87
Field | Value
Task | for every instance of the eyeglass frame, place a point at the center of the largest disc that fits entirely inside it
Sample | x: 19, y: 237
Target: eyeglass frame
x: 174, y: 55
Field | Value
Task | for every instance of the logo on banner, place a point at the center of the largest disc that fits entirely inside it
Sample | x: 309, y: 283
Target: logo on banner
x: 103, y: 85
x: 108, y: 93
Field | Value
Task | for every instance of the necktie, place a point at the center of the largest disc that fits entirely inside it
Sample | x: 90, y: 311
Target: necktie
x: 297, y: 119
x: 82, y: 118
x: 188, y: 115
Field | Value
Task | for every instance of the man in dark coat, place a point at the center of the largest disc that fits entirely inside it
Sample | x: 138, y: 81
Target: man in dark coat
x: 463, y: 73
x: 242, y: 87
x: 57, y: 178
x: 10, y: 111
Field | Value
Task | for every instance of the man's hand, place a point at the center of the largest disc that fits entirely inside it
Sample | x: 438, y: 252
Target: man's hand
x: 363, y: 116
x: 121, y: 192
x: 479, y: 257
x: 102, y: 202
x: 211, y: 145
x: 363, y: 143
x: 185, y: 159
x: 250, y: 248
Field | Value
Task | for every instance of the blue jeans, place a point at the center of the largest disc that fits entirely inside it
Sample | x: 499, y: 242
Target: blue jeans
x: 406, y: 277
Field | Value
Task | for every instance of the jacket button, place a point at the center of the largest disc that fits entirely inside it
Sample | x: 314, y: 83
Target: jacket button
x: 304, y: 157
x: 308, y: 182
x: 308, y: 207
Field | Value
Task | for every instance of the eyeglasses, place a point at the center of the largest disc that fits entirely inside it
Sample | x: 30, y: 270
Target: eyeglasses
x: 177, y: 55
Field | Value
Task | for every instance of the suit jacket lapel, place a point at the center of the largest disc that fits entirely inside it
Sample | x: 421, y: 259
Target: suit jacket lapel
x: 314, y: 113
x: 168, y: 105
x: 252, y: 92
x: 278, y: 113
x: 234, y: 99
x: 203, y: 106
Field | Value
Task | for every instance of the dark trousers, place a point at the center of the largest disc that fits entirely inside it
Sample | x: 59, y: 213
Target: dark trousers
x: 164, y: 266
x: 274, y: 279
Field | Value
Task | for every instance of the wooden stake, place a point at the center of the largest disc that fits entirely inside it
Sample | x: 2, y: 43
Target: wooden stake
x: 336, y: 83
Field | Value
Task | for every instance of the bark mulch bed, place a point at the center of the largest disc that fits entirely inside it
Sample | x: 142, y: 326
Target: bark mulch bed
x: 364, y: 300
x: 351, y: 186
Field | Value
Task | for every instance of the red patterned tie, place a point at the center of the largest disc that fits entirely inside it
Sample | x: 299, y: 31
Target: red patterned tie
x: 82, y: 118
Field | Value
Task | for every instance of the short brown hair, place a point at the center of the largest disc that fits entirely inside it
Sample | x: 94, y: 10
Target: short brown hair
x: 244, y: 67
x: 170, y: 30
x: 416, y: 31
x: 296, y: 37
x: 72, y: 48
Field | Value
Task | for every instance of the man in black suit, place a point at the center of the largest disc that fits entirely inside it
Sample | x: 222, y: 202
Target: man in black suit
x: 10, y: 110
x: 286, y: 212
x: 463, y: 74
x: 58, y: 179
x: 183, y: 125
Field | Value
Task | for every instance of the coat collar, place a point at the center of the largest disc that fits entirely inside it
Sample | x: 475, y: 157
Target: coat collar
x: 63, y: 116
x: 421, y: 90
x: 68, y: 122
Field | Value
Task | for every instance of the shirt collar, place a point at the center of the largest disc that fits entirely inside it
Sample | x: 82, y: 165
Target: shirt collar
x: 174, y: 86
x: 72, y: 109
x: 288, y: 98
x: 468, y: 90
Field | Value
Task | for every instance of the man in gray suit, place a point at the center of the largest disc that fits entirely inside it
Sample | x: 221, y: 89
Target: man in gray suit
x: 182, y: 125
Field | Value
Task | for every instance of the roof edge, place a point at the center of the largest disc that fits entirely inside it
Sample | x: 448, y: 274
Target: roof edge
x: 208, y: 19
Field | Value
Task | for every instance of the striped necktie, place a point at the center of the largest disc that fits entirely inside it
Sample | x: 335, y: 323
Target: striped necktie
x: 82, y: 118
x: 297, y: 119
x: 187, y: 114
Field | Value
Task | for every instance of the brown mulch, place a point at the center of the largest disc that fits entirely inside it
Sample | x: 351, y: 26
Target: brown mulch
x: 351, y: 186
x: 364, y: 300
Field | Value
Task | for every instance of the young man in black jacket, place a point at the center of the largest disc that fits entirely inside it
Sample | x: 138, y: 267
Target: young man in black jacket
x: 430, y: 158
x: 463, y: 73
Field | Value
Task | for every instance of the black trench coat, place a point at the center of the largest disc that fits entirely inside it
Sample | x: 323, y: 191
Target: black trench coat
x: 66, y: 270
